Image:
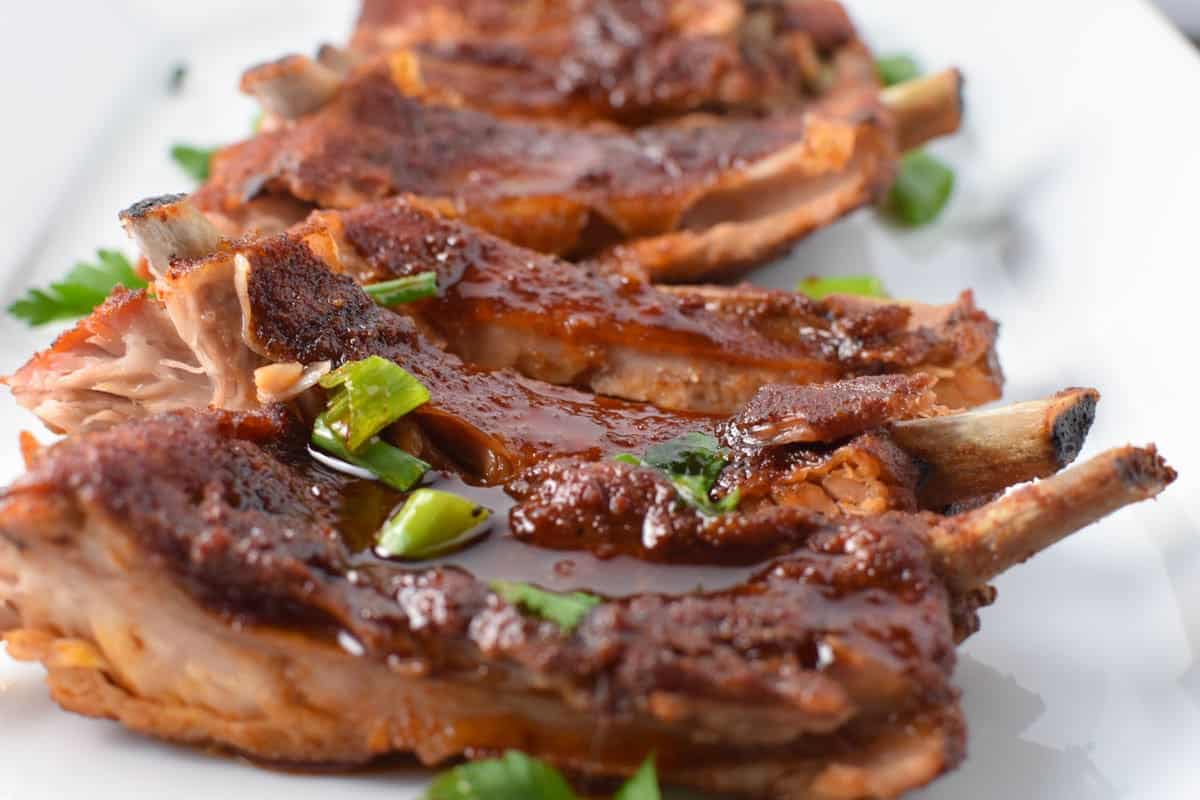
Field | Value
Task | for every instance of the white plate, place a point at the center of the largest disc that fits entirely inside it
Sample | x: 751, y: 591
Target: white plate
x: 1076, y: 222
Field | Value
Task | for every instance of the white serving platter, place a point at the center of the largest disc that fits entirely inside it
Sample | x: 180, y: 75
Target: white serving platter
x: 1076, y: 222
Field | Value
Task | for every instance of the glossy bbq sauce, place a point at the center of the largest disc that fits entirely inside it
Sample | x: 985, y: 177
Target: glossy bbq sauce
x: 496, y: 555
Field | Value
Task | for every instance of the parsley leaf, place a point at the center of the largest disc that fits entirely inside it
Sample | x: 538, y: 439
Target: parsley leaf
x: 862, y: 285
x: 566, y: 610
x: 195, y: 161
x: 692, y: 462
x: 85, y: 287
x: 516, y: 776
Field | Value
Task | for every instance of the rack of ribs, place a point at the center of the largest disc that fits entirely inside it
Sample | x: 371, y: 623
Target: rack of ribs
x: 184, y: 561
x: 585, y: 61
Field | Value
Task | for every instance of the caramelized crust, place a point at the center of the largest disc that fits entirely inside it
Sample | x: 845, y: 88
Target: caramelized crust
x: 623, y: 60
x: 247, y: 528
x: 568, y: 191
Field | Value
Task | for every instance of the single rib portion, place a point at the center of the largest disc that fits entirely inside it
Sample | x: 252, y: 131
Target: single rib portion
x: 589, y: 60
x: 823, y: 672
x: 670, y: 202
x: 502, y: 306
x: 551, y: 188
x: 785, y: 684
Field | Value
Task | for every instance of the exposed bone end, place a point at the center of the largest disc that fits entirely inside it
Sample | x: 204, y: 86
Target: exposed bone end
x: 169, y: 227
x: 976, y: 546
x: 981, y: 452
x: 926, y: 107
x: 292, y: 86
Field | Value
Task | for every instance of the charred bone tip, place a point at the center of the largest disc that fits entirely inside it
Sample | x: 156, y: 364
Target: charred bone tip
x: 150, y: 205
x: 169, y: 227
x: 977, y: 453
x: 978, y: 545
x: 926, y: 107
x: 1069, y: 420
x: 295, y: 85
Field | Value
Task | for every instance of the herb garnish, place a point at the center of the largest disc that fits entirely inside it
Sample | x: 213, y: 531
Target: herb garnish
x: 368, y: 395
x: 896, y: 68
x: 565, y: 609
x: 85, y: 287
x: 922, y: 189
x: 195, y: 161
x: 430, y: 522
x: 516, y: 776
x: 692, y: 462
x: 861, y: 285
x: 403, y: 290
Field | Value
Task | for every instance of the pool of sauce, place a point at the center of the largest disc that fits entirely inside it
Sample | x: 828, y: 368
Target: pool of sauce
x: 496, y: 555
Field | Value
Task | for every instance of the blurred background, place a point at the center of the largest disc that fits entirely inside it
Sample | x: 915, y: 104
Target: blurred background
x: 1186, y: 14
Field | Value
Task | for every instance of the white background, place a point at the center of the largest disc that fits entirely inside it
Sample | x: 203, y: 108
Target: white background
x: 1076, y: 221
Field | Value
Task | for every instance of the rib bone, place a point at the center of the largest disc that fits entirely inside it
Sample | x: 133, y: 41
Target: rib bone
x: 926, y: 108
x: 169, y: 227
x: 980, y: 452
x: 978, y: 545
x: 292, y: 86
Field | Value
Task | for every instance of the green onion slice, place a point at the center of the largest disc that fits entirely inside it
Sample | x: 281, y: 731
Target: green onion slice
x: 897, y: 68
x: 391, y: 465
x: 862, y: 285
x: 372, y: 394
x: 922, y: 189
x: 565, y: 609
x: 404, y: 290
x: 431, y: 522
x: 643, y: 785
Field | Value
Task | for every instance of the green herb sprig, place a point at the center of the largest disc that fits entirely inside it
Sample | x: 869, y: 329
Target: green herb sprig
x: 516, y: 776
x: 692, y: 462
x: 565, y: 609
x: 195, y: 161
x: 85, y: 287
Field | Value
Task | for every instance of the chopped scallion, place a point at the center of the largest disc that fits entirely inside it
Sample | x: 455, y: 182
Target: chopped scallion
x: 371, y: 394
x: 404, y: 290
x: 896, y: 69
x: 430, y: 522
x: 922, y: 189
x: 391, y: 465
x: 565, y: 609
x: 861, y: 285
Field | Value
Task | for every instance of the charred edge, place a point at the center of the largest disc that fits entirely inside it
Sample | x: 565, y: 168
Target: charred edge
x: 1069, y: 429
x: 1144, y: 470
x: 143, y: 208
